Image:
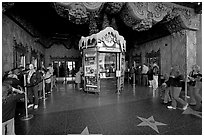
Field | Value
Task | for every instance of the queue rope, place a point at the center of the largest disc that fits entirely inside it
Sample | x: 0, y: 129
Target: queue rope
x: 30, y: 116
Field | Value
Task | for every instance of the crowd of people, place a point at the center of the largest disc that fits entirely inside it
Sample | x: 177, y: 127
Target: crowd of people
x: 145, y: 75
x: 14, y: 83
x: 171, y: 85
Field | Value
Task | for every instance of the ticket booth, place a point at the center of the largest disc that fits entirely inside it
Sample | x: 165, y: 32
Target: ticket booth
x: 103, y: 61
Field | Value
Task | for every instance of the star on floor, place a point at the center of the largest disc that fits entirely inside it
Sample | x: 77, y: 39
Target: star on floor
x: 85, y: 131
x: 151, y: 123
x: 192, y: 112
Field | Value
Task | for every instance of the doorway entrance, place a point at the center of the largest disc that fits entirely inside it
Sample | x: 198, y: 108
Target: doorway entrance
x: 64, y: 70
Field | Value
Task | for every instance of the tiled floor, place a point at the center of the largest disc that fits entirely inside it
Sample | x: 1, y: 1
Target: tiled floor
x: 69, y: 111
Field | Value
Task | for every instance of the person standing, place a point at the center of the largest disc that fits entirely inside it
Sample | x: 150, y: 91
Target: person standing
x: 167, y: 92
x: 32, y: 86
x: 155, y: 76
x: 191, y: 85
x: 150, y: 76
x: 78, y: 79
x: 176, y: 78
x: 145, y: 69
x: 48, y: 75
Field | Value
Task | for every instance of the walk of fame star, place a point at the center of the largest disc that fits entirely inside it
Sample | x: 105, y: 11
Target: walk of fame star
x: 85, y: 131
x: 151, y: 123
x: 192, y: 112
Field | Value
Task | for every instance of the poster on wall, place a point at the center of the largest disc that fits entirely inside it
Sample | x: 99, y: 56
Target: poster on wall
x: 90, y: 65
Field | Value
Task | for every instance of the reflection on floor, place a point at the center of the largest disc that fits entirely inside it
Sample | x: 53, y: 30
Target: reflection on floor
x: 135, y: 111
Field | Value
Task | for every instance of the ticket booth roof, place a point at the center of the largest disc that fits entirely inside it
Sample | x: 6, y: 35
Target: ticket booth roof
x: 101, y: 36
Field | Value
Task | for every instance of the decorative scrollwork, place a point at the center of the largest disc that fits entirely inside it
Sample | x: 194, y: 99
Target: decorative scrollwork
x: 143, y: 25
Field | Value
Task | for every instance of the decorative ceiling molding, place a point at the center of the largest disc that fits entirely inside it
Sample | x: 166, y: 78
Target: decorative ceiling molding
x: 140, y: 16
x: 187, y: 18
x: 74, y: 11
x: 143, y: 15
x: 7, y: 5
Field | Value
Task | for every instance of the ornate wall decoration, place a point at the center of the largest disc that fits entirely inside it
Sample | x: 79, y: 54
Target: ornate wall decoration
x: 138, y: 9
x: 174, y: 25
x: 127, y: 18
x: 113, y: 7
x: 7, y: 5
x: 144, y: 25
x: 159, y: 10
x: 188, y: 19
x: 78, y: 13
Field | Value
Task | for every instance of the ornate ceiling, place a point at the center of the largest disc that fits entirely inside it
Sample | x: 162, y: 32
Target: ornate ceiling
x: 139, y: 15
x: 129, y: 18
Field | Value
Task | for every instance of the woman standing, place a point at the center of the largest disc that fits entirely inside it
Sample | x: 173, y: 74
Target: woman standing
x: 155, y: 76
x: 176, y: 78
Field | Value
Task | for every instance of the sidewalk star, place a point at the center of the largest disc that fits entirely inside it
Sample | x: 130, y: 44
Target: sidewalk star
x: 151, y: 123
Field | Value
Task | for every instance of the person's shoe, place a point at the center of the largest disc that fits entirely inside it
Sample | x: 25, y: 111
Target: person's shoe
x: 187, y: 96
x: 192, y: 104
x: 36, y: 107
x: 165, y: 102
x: 171, y: 107
x: 150, y: 86
x: 185, y: 107
x: 30, y: 105
x: 49, y: 92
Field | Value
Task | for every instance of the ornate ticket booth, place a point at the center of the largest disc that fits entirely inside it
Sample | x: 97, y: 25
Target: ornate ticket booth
x: 103, y: 61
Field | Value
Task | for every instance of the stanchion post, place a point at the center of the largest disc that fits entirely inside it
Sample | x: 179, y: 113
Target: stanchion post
x: 51, y: 82
x: 43, y: 83
x: 134, y: 79
x: 27, y: 116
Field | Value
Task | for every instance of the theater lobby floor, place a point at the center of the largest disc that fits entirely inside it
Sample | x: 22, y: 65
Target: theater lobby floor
x: 136, y: 111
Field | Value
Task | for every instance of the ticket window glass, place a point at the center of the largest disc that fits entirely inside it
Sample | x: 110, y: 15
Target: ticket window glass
x: 107, y: 65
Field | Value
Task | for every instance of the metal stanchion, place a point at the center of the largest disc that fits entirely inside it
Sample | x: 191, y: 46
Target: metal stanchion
x: 118, y: 87
x: 134, y: 79
x: 27, y: 116
x: 51, y: 83
x: 43, y: 86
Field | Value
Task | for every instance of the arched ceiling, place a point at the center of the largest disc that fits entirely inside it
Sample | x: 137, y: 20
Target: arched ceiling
x: 138, y: 22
